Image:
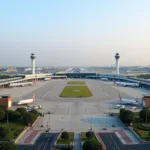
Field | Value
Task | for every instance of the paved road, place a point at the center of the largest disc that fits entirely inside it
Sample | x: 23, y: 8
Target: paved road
x: 77, y: 141
x: 113, y: 143
x: 44, y: 142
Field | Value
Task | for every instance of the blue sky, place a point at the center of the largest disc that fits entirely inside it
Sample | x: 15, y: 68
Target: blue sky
x: 74, y: 32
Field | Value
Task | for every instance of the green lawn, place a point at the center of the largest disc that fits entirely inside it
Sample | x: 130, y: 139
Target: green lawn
x: 62, y: 141
x: 84, y: 138
x: 76, y: 82
x: 76, y: 91
x: 142, y: 133
x: 15, y: 128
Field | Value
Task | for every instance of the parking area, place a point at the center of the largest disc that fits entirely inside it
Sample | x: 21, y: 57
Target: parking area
x: 44, y: 142
x: 112, y: 142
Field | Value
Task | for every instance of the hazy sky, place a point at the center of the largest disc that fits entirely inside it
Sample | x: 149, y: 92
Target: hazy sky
x: 74, y: 32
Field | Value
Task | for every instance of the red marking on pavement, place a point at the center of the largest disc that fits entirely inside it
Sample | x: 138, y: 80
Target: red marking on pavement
x: 125, y: 137
x: 100, y: 140
x: 31, y: 136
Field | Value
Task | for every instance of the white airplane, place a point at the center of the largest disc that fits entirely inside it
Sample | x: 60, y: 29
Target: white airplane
x: 128, y: 101
x: 127, y: 84
x: 20, y: 84
x: 104, y: 79
x: 46, y: 79
x: 26, y: 101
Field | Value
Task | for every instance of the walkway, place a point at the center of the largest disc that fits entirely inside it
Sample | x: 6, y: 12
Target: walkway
x: 127, y: 137
x: 77, y: 141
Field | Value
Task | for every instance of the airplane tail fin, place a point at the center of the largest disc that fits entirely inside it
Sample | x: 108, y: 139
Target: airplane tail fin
x: 33, y: 97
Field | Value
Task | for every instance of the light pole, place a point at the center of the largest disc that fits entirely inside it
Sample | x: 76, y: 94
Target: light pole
x: 91, y: 123
x: 49, y: 118
x: 7, y: 118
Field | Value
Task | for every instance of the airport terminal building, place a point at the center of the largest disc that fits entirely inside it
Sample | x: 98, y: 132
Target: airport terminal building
x: 76, y: 73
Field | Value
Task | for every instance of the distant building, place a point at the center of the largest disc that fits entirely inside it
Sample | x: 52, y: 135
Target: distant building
x: 11, y: 70
x: 6, y: 101
x: 146, y: 101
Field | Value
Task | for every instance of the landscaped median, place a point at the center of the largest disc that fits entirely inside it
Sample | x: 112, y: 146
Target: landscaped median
x: 76, y: 92
x: 76, y: 82
x: 90, y: 142
x: 65, y: 141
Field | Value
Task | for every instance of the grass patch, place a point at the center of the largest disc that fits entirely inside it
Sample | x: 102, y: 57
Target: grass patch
x: 139, y: 129
x: 84, y: 138
x: 143, y: 134
x: 76, y: 91
x: 16, y: 129
x: 76, y: 82
x: 67, y: 141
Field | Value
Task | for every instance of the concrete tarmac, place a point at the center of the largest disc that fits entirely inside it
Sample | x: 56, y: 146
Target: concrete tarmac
x: 73, y: 113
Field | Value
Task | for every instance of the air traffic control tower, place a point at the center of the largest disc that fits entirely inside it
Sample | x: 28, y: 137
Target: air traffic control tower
x: 33, y: 62
x: 117, y: 56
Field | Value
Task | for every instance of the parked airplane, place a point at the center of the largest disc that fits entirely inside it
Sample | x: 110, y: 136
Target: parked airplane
x: 127, y: 84
x: 128, y: 101
x: 104, y: 79
x: 21, y: 84
x: 26, y: 101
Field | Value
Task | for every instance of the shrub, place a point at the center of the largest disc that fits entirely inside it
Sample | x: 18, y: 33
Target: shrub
x: 126, y: 116
x: 144, y: 113
x: 22, y: 111
x: 35, y: 112
x: 2, y: 108
x: 92, y: 145
x: 65, y: 135
x: 7, y: 146
x: 29, y: 118
x: 14, y: 115
x: 4, y: 132
x: 89, y: 134
x: 2, y: 114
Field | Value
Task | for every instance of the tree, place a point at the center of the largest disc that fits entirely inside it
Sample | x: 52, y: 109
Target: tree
x: 65, y: 135
x: 4, y: 132
x: 34, y: 112
x: 14, y: 115
x: 29, y: 118
x: 126, y: 116
x: 22, y: 111
x: 89, y: 134
x: 7, y: 146
x: 2, y: 114
x: 2, y: 108
x: 144, y: 114
x: 92, y: 145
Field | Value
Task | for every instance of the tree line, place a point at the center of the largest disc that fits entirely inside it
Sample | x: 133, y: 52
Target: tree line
x: 19, y: 116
